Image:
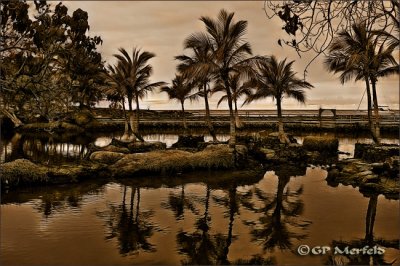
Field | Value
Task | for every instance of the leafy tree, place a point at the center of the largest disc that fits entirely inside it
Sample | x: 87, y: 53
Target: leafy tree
x: 44, y: 57
x: 277, y: 79
x: 181, y: 90
x: 134, y: 74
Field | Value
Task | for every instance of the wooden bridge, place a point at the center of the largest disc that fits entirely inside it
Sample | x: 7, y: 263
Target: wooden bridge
x: 326, y: 118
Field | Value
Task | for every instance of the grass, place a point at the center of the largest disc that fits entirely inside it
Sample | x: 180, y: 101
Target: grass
x: 22, y: 171
x: 166, y: 161
x: 321, y: 144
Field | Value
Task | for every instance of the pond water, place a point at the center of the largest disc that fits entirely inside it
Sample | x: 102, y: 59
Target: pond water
x: 192, y: 218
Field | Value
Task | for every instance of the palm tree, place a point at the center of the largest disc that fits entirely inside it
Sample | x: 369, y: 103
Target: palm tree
x: 181, y: 91
x: 229, y: 52
x: 115, y: 94
x: 134, y: 73
x: 239, y: 88
x: 382, y: 64
x: 355, y: 55
x: 278, y: 80
x: 200, y: 58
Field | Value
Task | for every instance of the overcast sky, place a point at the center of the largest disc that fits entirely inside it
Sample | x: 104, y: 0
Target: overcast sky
x: 161, y: 26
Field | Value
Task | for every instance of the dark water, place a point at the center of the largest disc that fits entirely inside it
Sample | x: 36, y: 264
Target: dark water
x: 194, y: 218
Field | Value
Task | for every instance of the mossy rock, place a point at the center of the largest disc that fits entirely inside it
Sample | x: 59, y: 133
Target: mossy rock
x: 21, y: 172
x: 188, y: 141
x: 138, y: 146
x: 321, y: 144
x: 113, y: 148
x: 82, y: 118
x: 106, y: 157
x: 166, y: 161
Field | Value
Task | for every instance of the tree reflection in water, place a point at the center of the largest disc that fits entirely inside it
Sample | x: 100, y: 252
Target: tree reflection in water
x: 388, y: 258
x: 130, y: 226
x: 178, y: 203
x: 56, y: 199
x: 279, y: 224
x: 203, y: 248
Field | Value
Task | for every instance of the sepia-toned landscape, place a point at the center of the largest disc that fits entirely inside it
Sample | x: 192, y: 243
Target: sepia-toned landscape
x: 199, y: 132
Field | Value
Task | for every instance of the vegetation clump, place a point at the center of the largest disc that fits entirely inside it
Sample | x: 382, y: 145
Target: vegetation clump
x: 321, y: 144
x: 22, y: 172
x: 212, y: 157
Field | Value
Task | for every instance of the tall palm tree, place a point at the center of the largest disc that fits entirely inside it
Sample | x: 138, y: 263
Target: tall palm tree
x: 229, y: 52
x: 239, y: 88
x: 181, y: 90
x: 135, y: 73
x: 201, y: 57
x: 356, y: 54
x: 278, y: 80
x: 382, y: 64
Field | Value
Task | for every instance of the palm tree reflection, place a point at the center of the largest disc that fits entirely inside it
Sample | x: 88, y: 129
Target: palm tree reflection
x: 131, y: 227
x: 200, y: 246
x: 178, y: 203
x: 368, y: 240
x: 279, y: 224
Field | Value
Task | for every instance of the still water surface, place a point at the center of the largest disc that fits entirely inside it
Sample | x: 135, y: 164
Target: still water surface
x: 191, y: 219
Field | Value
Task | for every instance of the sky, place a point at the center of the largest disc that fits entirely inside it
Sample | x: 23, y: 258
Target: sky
x: 162, y: 26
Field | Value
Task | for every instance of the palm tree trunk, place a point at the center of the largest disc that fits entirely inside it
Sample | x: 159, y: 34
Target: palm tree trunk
x: 370, y: 122
x: 376, y: 110
x: 282, y: 136
x: 208, y: 117
x: 237, y: 118
x: 126, y: 130
x: 130, y: 115
x: 136, y: 130
x: 232, y: 128
x: 370, y: 219
x: 223, y: 260
x: 184, y: 118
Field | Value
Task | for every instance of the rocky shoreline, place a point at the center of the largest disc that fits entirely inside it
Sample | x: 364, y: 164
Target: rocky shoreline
x: 255, y: 152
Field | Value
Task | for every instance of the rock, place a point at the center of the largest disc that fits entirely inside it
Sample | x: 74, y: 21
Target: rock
x: 391, y: 256
x: 82, y: 118
x: 22, y: 172
x: 113, y: 148
x: 106, y: 157
x: 370, y: 179
x: 120, y: 143
x: 188, y: 141
x: 350, y: 169
x: 321, y: 144
x: 375, y: 153
x: 136, y: 147
x: 269, y: 153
